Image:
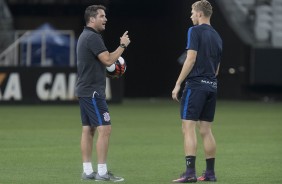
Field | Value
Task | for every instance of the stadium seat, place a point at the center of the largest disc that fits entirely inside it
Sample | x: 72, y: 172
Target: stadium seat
x: 277, y: 18
x: 276, y: 33
x: 263, y: 9
x: 276, y: 38
x: 264, y: 17
x: 276, y: 3
x: 241, y: 7
x: 244, y: 5
x: 248, y: 2
x: 262, y: 31
x: 263, y: 23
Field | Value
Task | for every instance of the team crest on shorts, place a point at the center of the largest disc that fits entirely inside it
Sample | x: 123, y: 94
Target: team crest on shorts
x: 107, y: 116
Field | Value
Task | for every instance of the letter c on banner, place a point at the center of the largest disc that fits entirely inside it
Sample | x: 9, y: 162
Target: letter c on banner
x: 42, y: 92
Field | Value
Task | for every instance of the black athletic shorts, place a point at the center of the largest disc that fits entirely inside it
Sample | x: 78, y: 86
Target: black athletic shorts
x: 94, y: 111
x: 197, y: 105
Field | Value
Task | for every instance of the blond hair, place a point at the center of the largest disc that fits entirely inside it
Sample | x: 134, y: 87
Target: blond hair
x: 203, y: 6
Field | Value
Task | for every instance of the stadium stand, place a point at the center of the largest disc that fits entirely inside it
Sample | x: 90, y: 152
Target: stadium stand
x: 276, y: 6
x: 258, y: 22
x: 263, y: 22
x: 34, y: 47
x: 238, y: 14
x: 55, y: 1
x: 6, y: 25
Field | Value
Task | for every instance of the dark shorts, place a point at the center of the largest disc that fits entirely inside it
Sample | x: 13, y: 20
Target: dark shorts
x: 94, y: 111
x: 198, y: 105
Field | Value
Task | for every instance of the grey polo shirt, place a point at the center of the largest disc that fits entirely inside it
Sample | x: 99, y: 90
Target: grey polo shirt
x: 91, y: 73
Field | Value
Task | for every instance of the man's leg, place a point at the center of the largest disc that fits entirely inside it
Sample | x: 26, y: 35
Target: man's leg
x: 190, y: 138
x: 190, y: 148
x: 208, y: 139
x: 87, y: 143
x: 210, y: 150
x: 102, y: 145
x: 86, y: 150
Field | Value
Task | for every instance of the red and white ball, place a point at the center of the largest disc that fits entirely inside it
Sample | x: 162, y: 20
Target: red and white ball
x: 117, y: 69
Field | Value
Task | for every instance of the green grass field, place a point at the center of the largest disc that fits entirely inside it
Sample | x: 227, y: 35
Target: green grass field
x: 40, y: 144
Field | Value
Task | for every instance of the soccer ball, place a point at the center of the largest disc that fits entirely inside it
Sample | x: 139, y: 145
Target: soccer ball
x: 117, y: 69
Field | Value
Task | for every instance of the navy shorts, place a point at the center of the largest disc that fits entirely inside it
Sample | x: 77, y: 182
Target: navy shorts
x: 198, y: 105
x: 94, y: 111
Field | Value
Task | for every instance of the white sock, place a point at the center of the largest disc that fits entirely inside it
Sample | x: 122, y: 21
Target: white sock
x: 87, y: 168
x: 102, y: 169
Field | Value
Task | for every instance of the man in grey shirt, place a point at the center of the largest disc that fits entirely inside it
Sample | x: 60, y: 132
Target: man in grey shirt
x: 92, y: 59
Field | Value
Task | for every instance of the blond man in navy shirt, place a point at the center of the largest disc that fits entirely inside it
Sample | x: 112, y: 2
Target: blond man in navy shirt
x: 198, y: 101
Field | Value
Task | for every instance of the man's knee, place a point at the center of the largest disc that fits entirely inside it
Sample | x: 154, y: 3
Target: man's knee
x: 205, y: 129
x: 188, y: 126
x: 87, y: 130
x: 105, y: 130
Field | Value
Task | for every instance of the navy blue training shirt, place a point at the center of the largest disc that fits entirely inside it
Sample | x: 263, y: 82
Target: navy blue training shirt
x: 208, y: 44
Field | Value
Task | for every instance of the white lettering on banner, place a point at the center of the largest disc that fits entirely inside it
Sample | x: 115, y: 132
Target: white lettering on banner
x: 49, y: 86
x: 72, y: 81
x: 60, y: 88
x: 41, y: 91
x: 12, y: 89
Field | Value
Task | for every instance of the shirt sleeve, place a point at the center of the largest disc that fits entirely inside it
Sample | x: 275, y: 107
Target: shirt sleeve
x: 192, y: 39
x: 96, y: 44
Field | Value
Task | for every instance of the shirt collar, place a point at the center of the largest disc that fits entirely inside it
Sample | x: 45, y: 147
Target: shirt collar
x: 91, y: 29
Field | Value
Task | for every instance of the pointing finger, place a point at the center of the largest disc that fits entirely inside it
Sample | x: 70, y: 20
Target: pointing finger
x: 125, y: 33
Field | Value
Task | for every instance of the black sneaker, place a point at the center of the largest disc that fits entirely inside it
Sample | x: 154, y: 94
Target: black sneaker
x: 207, y: 176
x: 187, y: 177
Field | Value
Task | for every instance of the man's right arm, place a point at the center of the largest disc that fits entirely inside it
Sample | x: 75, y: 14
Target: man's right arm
x: 109, y: 58
x: 186, y: 69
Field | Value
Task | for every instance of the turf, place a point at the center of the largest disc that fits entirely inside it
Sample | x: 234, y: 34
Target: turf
x: 40, y: 144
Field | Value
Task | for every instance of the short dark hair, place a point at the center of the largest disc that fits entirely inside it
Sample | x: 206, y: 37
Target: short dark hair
x: 203, y: 6
x: 92, y: 11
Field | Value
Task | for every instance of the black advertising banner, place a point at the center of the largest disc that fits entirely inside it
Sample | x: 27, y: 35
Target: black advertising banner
x: 39, y: 85
x: 265, y: 67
